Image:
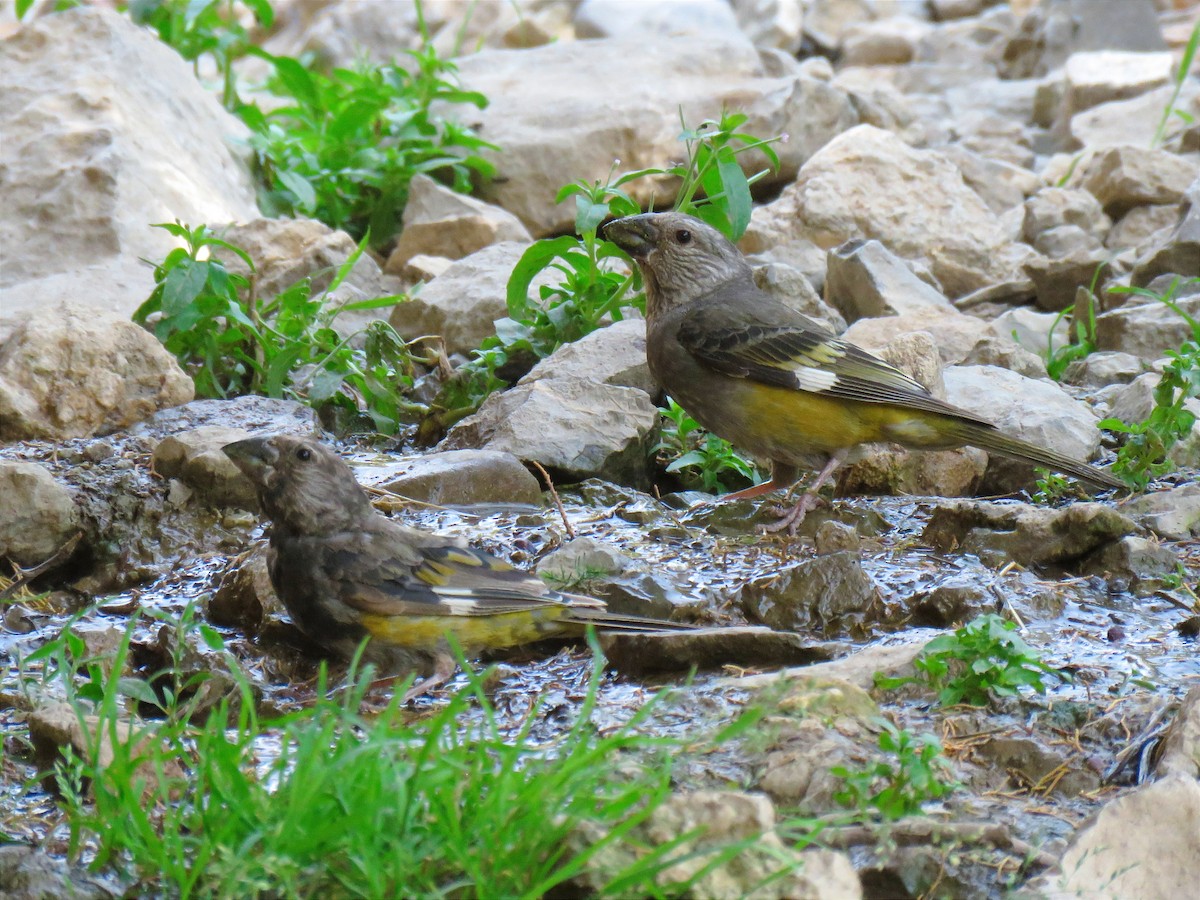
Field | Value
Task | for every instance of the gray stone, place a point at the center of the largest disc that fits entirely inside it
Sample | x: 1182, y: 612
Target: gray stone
x: 70, y: 371
x: 920, y: 473
x: 251, y: 414
x: 830, y: 595
x: 1179, y: 251
x: 954, y: 333
x: 1104, y: 368
x: 1181, y: 744
x: 28, y: 873
x: 951, y: 603
x: 1028, y: 535
x: 793, y: 288
x: 1173, y: 514
x: 1143, y: 226
x: 615, y: 354
x: 1057, y: 280
x: 641, y: 653
x: 654, y: 19
x: 865, y: 280
x: 1115, y: 124
x: 1053, y: 207
x: 827, y: 21
x: 440, y: 222
x: 1002, y: 185
x: 1055, y: 29
x: 892, y: 41
x: 1146, y: 328
x: 1003, y: 352
x: 462, y: 478
x: 1124, y: 177
x: 195, y: 458
x: 572, y: 426
x: 1134, y: 563
x: 772, y: 23
x: 37, y: 514
x: 1106, y: 75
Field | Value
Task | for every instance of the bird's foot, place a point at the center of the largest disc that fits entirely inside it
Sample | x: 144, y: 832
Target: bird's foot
x: 792, y: 519
x: 443, y: 671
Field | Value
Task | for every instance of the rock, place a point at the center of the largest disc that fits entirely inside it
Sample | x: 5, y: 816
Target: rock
x: 1146, y: 329
x: 1001, y: 185
x: 826, y: 21
x: 1104, y: 368
x: 859, y: 668
x: 244, y: 597
x: 70, y: 371
x: 1055, y: 29
x: 918, y: 473
x: 655, y: 19
x: 28, y: 873
x: 641, y: 653
x: 852, y: 187
x: 572, y: 426
x: 945, y: 10
x: 600, y: 569
x: 1124, y: 177
x: 250, y: 414
x: 830, y: 595
x: 440, y: 222
x: 552, y: 136
x: 91, y: 156
x: 1133, y: 403
x: 772, y: 23
x: 1054, y: 207
x: 1107, y: 856
x: 287, y: 250
x: 791, y: 287
x: 1143, y: 226
x: 1180, y: 751
x: 422, y: 268
x: 714, y: 821
x: 1033, y: 330
x: 915, y: 354
x: 954, y: 333
x: 462, y: 478
x: 615, y: 354
x: 1038, y: 412
x: 1057, y: 280
x: 464, y: 302
x: 1134, y: 564
x: 195, y: 458
x: 864, y: 280
x: 832, y: 537
x: 1106, y: 75
x: 1114, y: 124
x: 956, y: 600
x: 37, y: 514
x: 1179, y: 252
x: 1033, y: 763
x: 1002, y: 352
x: 1173, y: 514
x: 892, y: 41
x: 1025, y: 534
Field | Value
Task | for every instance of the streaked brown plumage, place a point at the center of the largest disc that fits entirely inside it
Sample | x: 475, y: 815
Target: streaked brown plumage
x: 345, y: 572
x: 774, y: 382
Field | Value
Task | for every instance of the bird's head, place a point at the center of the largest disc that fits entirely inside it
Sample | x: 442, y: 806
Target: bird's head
x: 681, y: 257
x: 303, y: 486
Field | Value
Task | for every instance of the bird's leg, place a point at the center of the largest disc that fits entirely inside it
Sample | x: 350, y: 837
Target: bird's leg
x: 782, y: 476
x: 443, y: 671
x: 808, y: 501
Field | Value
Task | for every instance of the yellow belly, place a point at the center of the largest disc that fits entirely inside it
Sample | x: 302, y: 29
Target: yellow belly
x: 471, y: 633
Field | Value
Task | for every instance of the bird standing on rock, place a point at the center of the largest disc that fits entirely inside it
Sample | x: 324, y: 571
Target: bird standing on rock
x: 346, y: 573
x: 774, y: 382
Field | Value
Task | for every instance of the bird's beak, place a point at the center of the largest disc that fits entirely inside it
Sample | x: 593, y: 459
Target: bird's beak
x: 254, y: 456
x: 636, y: 235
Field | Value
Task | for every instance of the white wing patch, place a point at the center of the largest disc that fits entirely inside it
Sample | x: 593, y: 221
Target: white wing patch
x: 814, y: 380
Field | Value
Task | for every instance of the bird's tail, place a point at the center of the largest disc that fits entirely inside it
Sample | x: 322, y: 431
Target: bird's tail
x: 590, y: 614
x: 995, y: 441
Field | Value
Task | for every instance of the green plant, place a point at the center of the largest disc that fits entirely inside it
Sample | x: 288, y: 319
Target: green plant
x: 329, y: 802
x: 1144, y: 455
x: 233, y: 342
x: 346, y: 145
x: 1182, y: 73
x: 983, y: 659
x: 589, y: 291
x: 920, y: 774
x: 1081, y: 333
x: 198, y: 27
x: 700, y: 458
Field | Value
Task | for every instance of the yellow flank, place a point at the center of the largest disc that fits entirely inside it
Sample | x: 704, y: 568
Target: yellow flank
x: 786, y: 424
x: 487, y: 631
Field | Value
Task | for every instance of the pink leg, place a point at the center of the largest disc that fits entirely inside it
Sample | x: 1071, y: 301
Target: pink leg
x: 808, y: 501
x: 443, y: 671
x: 782, y: 476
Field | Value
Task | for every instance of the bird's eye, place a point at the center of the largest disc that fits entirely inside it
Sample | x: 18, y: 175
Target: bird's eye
x: 303, y: 454
x: 683, y: 236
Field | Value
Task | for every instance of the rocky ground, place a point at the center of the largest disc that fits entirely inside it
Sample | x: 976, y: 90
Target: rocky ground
x: 955, y: 173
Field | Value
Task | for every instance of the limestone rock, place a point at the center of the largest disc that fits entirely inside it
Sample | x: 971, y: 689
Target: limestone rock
x: 793, y: 288
x: 640, y: 653
x: 106, y: 130
x: 615, y: 354
x: 827, y: 21
x: 1055, y: 207
x: 1124, y: 177
x: 462, y: 478
x: 955, y: 334
x: 440, y: 222
x: 1179, y: 252
x: 1134, y: 564
x: 1181, y: 744
x: 1112, y: 124
x: 865, y: 280
x: 1146, y: 329
x: 463, y: 303
x: 772, y: 23
x: 830, y: 595
x: 71, y: 372
x: 1106, y: 75
x: 37, y: 514
x: 651, y: 19
x: 891, y: 41
x: 572, y: 426
x: 1055, y: 29
x: 1173, y: 514
x: 852, y: 187
x: 1104, y: 368
x: 1143, y: 226
x: 551, y: 136
x: 195, y: 458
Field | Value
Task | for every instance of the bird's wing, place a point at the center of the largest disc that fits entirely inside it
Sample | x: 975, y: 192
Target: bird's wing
x: 391, y: 570
x: 766, y: 342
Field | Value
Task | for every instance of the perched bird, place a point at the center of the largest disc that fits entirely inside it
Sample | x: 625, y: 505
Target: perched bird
x: 774, y: 382
x: 345, y: 572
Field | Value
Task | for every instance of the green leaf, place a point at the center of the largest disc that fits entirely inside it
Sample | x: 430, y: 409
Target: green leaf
x: 301, y: 189
x: 182, y: 285
x: 529, y: 266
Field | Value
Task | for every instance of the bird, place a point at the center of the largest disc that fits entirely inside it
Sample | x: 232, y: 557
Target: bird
x: 776, y: 383
x: 347, y: 573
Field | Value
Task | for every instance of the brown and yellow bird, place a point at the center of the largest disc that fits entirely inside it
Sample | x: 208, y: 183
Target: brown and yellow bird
x: 347, y: 573
x: 774, y: 382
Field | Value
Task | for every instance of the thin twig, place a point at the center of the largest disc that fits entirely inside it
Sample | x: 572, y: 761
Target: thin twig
x: 554, y: 493
x: 24, y: 576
